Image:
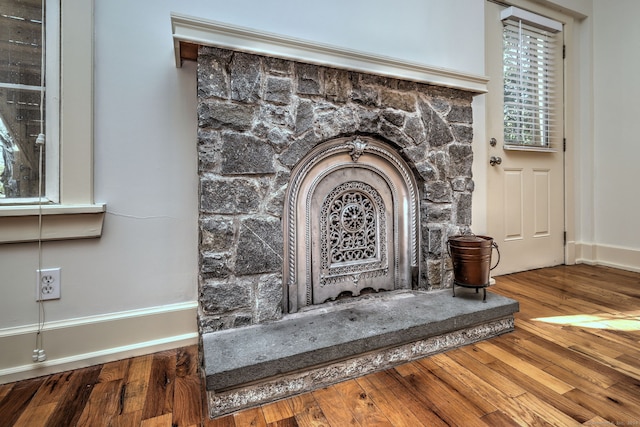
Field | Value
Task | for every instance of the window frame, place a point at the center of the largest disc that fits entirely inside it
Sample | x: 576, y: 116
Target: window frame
x: 537, y: 123
x: 73, y: 214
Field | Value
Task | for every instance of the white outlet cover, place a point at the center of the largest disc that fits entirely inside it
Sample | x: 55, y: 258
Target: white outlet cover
x: 48, y: 280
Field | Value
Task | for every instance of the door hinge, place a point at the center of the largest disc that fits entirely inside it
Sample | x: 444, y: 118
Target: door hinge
x: 564, y: 144
x: 564, y: 237
x: 564, y: 51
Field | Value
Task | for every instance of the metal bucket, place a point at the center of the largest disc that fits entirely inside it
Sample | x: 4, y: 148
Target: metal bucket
x: 471, y: 258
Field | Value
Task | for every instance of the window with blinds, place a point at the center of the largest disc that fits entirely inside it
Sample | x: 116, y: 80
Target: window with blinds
x: 532, y: 55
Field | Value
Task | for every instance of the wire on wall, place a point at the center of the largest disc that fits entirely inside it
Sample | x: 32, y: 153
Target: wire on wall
x: 39, y: 354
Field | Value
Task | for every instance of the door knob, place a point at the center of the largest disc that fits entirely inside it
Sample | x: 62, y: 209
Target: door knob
x: 494, y: 160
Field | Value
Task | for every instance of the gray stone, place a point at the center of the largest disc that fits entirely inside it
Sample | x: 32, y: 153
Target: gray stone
x: 307, y: 340
x: 269, y: 296
x: 275, y: 202
x: 222, y: 115
x: 368, y: 121
x: 304, y: 116
x: 437, y: 130
x: 245, y: 155
x: 313, y: 378
x: 214, y: 265
x: 414, y: 129
x: 434, y: 272
x: 331, y: 123
x: 395, y: 134
x: 278, y: 138
x: 459, y: 184
x: 278, y: 66
x: 435, y: 241
x: 396, y: 118
x: 437, y: 212
x: 270, y: 115
x: 398, y: 100
x: 462, y: 133
x: 438, y: 191
x: 366, y: 95
x: 337, y: 85
x: 416, y: 155
x: 207, y: 324
x: 463, y: 209
x: 245, y: 77
x: 208, y: 156
x: 241, y: 320
x: 440, y: 160
x: 298, y: 149
x: 427, y: 171
x: 278, y: 90
x: 213, y: 80
x: 460, y: 160
x: 440, y: 105
x: 260, y: 246
x: 308, y: 79
x: 229, y: 196
x: 220, y: 297
x: 460, y: 114
x: 216, y: 234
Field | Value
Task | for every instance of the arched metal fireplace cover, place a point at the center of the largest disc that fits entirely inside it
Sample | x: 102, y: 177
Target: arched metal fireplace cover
x: 351, y: 222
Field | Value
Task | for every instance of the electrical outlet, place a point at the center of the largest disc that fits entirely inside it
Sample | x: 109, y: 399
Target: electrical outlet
x: 48, y: 284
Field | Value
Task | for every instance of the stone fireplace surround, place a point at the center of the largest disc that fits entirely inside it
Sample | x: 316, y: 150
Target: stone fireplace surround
x: 258, y: 117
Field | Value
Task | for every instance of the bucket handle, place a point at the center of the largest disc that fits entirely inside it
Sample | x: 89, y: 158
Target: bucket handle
x: 494, y: 245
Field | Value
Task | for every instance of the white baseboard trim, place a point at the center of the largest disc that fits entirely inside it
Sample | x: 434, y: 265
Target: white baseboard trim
x: 82, y: 342
x: 610, y: 256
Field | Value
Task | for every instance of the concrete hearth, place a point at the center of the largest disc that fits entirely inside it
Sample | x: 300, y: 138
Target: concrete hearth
x: 311, y: 349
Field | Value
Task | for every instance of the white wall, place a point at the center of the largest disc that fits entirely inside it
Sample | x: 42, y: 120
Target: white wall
x: 134, y: 289
x: 616, y: 113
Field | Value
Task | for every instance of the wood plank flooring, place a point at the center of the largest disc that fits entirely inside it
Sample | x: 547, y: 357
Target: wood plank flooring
x: 574, y: 359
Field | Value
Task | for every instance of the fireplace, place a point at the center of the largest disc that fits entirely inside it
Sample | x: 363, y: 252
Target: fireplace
x: 327, y: 194
x: 280, y: 142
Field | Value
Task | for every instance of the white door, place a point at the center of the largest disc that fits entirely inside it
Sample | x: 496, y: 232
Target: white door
x: 526, y: 178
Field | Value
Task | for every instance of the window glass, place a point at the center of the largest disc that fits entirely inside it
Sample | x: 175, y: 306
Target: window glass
x: 531, y: 100
x: 21, y: 96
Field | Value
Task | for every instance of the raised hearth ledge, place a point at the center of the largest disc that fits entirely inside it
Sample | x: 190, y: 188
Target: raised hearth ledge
x: 259, y: 393
x: 190, y: 32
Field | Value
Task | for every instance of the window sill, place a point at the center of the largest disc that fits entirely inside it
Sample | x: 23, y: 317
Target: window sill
x: 532, y: 148
x: 59, y: 222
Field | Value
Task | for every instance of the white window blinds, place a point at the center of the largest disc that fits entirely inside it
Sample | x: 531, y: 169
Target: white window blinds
x: 532, y: 59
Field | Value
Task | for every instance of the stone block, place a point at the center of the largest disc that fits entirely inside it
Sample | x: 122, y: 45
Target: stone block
x: 278, y: 90
x: 269, y: 296
x: 308, y: 79
x: 460, y: 160
x: 216, y: 234
x: 460, y: 114
x: 437, y: 130
x: 221, y: 297
x: 229, y: 196
x: 243, y: 154
x: 223, y: 115
x: 214, y: 265
x: 246, y: 77
x: 260, y: 246
x: 399, y: 100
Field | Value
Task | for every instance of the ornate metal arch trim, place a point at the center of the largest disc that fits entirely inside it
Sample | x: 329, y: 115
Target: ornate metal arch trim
x: 351, y: 152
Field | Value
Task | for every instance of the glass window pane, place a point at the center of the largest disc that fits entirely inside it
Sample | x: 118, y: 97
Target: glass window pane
x: 21, y: 96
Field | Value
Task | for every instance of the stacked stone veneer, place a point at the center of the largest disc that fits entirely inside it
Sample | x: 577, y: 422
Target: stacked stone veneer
x: 258, y: 116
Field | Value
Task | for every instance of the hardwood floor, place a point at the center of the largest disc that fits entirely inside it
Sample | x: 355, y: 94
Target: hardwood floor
x: 574, y: 359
